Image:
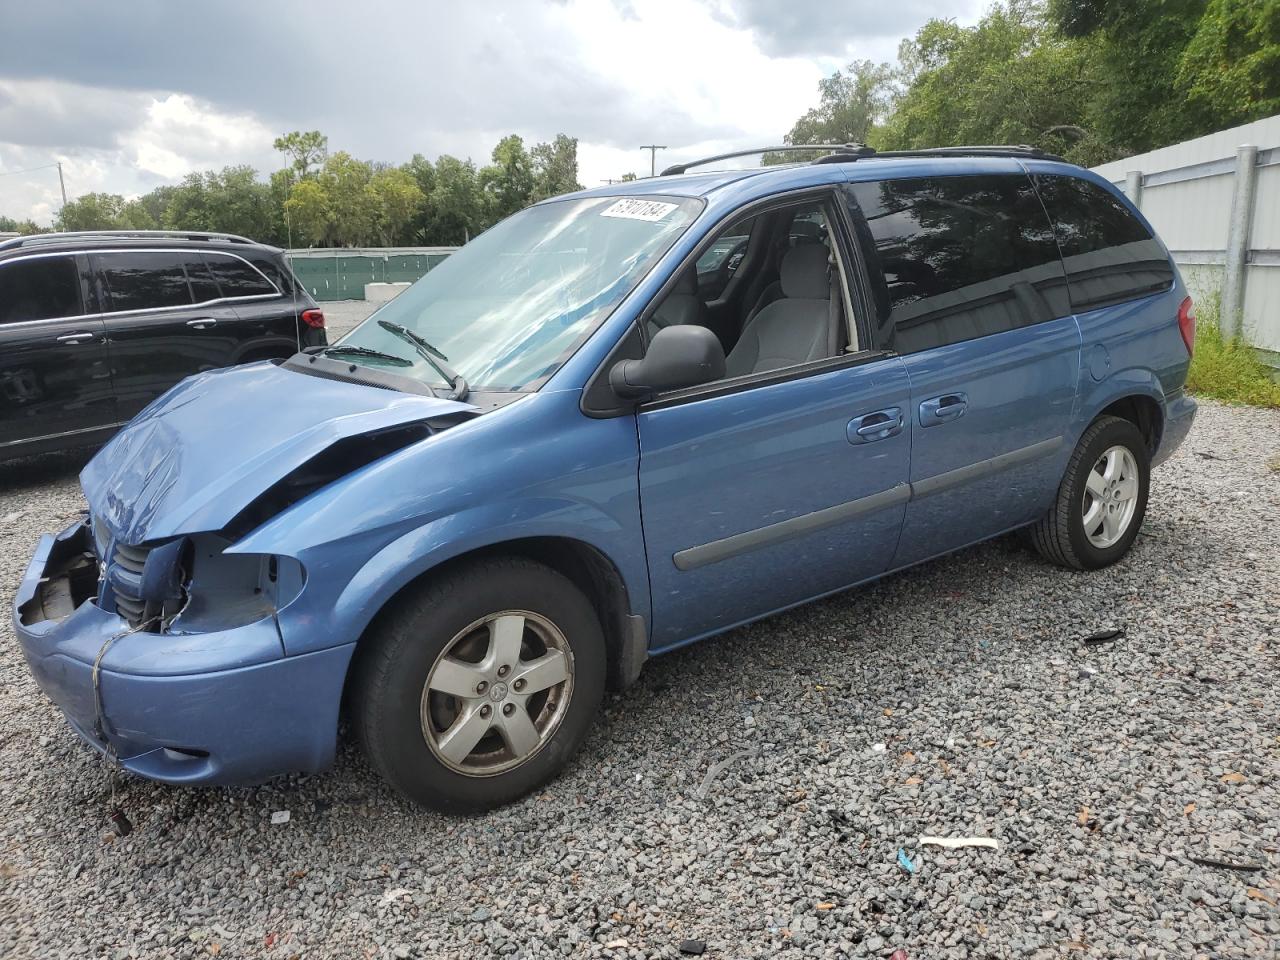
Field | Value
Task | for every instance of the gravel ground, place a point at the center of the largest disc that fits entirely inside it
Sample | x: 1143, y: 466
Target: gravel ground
x: 341, y: 315
x: 754, y: 791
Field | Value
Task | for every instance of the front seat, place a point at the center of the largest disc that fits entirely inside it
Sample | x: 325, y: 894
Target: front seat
x: 794, y: 329
x: 681, y: 306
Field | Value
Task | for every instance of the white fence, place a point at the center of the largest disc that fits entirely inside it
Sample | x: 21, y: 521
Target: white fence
x: 1215, y: 201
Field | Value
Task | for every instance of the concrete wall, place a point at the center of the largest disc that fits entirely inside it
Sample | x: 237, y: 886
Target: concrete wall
x: 1215, y: 201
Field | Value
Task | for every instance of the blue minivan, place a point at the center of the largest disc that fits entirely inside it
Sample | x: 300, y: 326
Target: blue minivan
x: 615, y: 423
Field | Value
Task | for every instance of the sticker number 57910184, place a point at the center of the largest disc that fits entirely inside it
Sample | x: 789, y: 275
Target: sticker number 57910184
x: 633, y: 209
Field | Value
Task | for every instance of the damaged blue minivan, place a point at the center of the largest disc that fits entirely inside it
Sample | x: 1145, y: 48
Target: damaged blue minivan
x: 615, y: 423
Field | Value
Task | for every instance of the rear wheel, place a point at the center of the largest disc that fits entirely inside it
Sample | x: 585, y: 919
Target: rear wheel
x: 480, y: 687
x: 1102, y: 499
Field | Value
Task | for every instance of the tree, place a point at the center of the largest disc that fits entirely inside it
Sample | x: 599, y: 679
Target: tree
x: 346, y: 183
x: 310, y: 215
x: 395, y: 197
x: 94, y: 211
x: 304, y: 150
x: 454, y: 202
x: 1231, y: 65
x: 851, y: 104
x: 555, y: 168
x: 1010, y: 78
x: 230, y: 200
x: 507, y: 184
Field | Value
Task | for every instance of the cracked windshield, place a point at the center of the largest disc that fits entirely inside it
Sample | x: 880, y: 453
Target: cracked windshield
x: 509, y: 307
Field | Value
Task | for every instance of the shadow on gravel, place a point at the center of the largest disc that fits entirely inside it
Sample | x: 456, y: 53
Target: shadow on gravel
x: 28, y: 472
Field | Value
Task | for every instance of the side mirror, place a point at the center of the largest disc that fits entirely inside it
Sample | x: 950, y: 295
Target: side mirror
x: 681, y: 356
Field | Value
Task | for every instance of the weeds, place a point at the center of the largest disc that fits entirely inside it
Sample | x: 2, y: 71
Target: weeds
x: 1228, y: 370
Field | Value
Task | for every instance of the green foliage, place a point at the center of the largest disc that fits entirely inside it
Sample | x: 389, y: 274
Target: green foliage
x: 851, y: 103
x: 104, y: 211
x: 1232, y: 64
x: 555, y: 168
x: 232, y: 199
x: 1228, y: 370
x: 304, y: 150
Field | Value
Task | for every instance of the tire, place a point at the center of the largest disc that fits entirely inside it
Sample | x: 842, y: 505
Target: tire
x: 457, y: 633
x: 1061, y: 536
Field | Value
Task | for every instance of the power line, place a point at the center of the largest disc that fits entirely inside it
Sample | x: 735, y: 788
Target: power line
x: 11, y: 173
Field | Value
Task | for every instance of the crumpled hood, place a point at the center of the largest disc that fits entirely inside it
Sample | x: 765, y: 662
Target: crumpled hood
x: 202, y: 452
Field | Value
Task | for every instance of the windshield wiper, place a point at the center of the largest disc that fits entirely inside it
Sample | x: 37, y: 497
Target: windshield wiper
x: 439, y: 362
x: 340, y: 349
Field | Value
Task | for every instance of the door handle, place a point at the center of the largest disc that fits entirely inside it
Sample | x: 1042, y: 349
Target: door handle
x: 202, y: 323
x: 949, y: 406
x: 75, y: 337
x: 875, y: 426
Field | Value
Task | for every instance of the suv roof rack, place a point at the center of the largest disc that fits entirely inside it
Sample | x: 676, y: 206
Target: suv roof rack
x: 846, y: 151
x: 38, y: 238
x: 849, y: 152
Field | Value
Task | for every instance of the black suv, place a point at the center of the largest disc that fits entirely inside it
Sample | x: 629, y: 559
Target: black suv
x: 95, y: 325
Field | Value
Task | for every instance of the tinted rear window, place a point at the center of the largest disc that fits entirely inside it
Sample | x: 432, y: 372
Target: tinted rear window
x: 1109, y: 255
x: 237, y: 278
x: 39, y: 288
x: 203, y: 287
x: 139, y: 280
x: 961, y: 258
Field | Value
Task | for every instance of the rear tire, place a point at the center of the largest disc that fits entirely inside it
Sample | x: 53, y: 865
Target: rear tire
x: 1102, y: 499
x: 480, y: 687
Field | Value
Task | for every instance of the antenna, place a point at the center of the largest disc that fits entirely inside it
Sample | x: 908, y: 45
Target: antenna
x: 653, y: 149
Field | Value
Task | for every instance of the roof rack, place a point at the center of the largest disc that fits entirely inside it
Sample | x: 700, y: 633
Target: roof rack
x: 846, y: 151
x: 849, y: 152
x: 38, y: 238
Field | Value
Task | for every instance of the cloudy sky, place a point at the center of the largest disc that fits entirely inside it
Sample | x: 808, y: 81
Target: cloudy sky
x: 132, y: 95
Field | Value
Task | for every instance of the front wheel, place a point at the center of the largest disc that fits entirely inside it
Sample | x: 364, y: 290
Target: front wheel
x: 480, y: 687
x: 1102, y: 499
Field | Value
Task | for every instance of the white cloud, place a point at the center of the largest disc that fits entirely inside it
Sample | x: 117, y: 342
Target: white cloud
x: 180, y: 135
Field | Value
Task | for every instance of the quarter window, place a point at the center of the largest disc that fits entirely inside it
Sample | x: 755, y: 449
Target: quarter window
x: 960, y: 257
x: 39, y: 288
x: 145, y: 281
x: 237, y: 278
x: 203, y: 287
x: 1110, y: 257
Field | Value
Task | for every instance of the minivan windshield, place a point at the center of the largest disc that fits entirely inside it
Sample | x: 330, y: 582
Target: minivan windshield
x: 508, y: 308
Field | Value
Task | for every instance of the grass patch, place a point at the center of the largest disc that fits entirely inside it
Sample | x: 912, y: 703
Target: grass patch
x: 1228, y: 370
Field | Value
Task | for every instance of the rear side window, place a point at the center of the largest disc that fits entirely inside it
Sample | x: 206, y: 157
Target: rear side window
x: 140, y: 280
x: 203, y: 287
x: 1109, y: 255
x: 237, y: 278
x: 961, y: 258
x: 39, y: 288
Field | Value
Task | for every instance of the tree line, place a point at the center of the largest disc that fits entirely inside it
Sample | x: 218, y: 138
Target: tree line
x: 334, y: 199
x: 1091, y: 80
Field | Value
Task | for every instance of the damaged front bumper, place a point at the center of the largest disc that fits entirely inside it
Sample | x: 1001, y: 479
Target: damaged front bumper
x: 217, y: 707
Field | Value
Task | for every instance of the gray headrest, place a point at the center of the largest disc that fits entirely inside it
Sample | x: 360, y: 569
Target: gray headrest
x: 804, y: 273
x: 687, y: 282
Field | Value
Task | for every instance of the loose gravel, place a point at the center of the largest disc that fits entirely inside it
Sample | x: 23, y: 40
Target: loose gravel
x: 763, y: 792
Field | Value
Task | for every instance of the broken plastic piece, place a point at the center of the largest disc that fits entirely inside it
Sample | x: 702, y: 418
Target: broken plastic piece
x: 898, y: 954
x: 905, y: 862
x: 693, y: 948
x: 952, y: 843
x: 120, y: 823
x: 1104, y: 636
x: 280, y: 816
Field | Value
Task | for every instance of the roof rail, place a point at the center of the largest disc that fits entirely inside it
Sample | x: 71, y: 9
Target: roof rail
x: 846, y: 151
x: 1011, y: 150
x: 37, y: 238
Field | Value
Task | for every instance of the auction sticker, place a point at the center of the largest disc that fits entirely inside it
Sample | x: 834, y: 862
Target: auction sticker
x: 632, y: 209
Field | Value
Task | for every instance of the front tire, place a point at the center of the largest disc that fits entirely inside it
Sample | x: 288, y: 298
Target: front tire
x: 479, y: 687
x: 1102, y: 499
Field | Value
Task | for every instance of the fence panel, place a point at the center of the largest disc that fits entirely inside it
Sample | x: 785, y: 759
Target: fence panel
x: 340, y: 274
x: 1215, y: 201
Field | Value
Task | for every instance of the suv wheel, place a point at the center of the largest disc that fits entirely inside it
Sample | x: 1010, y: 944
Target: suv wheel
x: 1102, y: 499
x: 480, y: 687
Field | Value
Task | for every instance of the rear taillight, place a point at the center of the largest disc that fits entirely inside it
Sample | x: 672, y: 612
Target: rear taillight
x: 1187, y: 324
x: 315, y: 318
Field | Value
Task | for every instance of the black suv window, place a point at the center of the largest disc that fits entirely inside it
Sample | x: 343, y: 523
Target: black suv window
x: 203, y: 287
x: 961, y: 257
x: 237, y: 278
x: 1109, y: 255
x: 39, y: 288
x: 142, y: 280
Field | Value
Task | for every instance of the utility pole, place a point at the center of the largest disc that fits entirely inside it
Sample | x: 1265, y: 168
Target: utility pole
x: 653, y: 149
x: 62, y: 183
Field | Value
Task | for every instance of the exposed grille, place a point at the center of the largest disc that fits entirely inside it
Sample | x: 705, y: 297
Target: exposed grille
x: 126, y: 582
